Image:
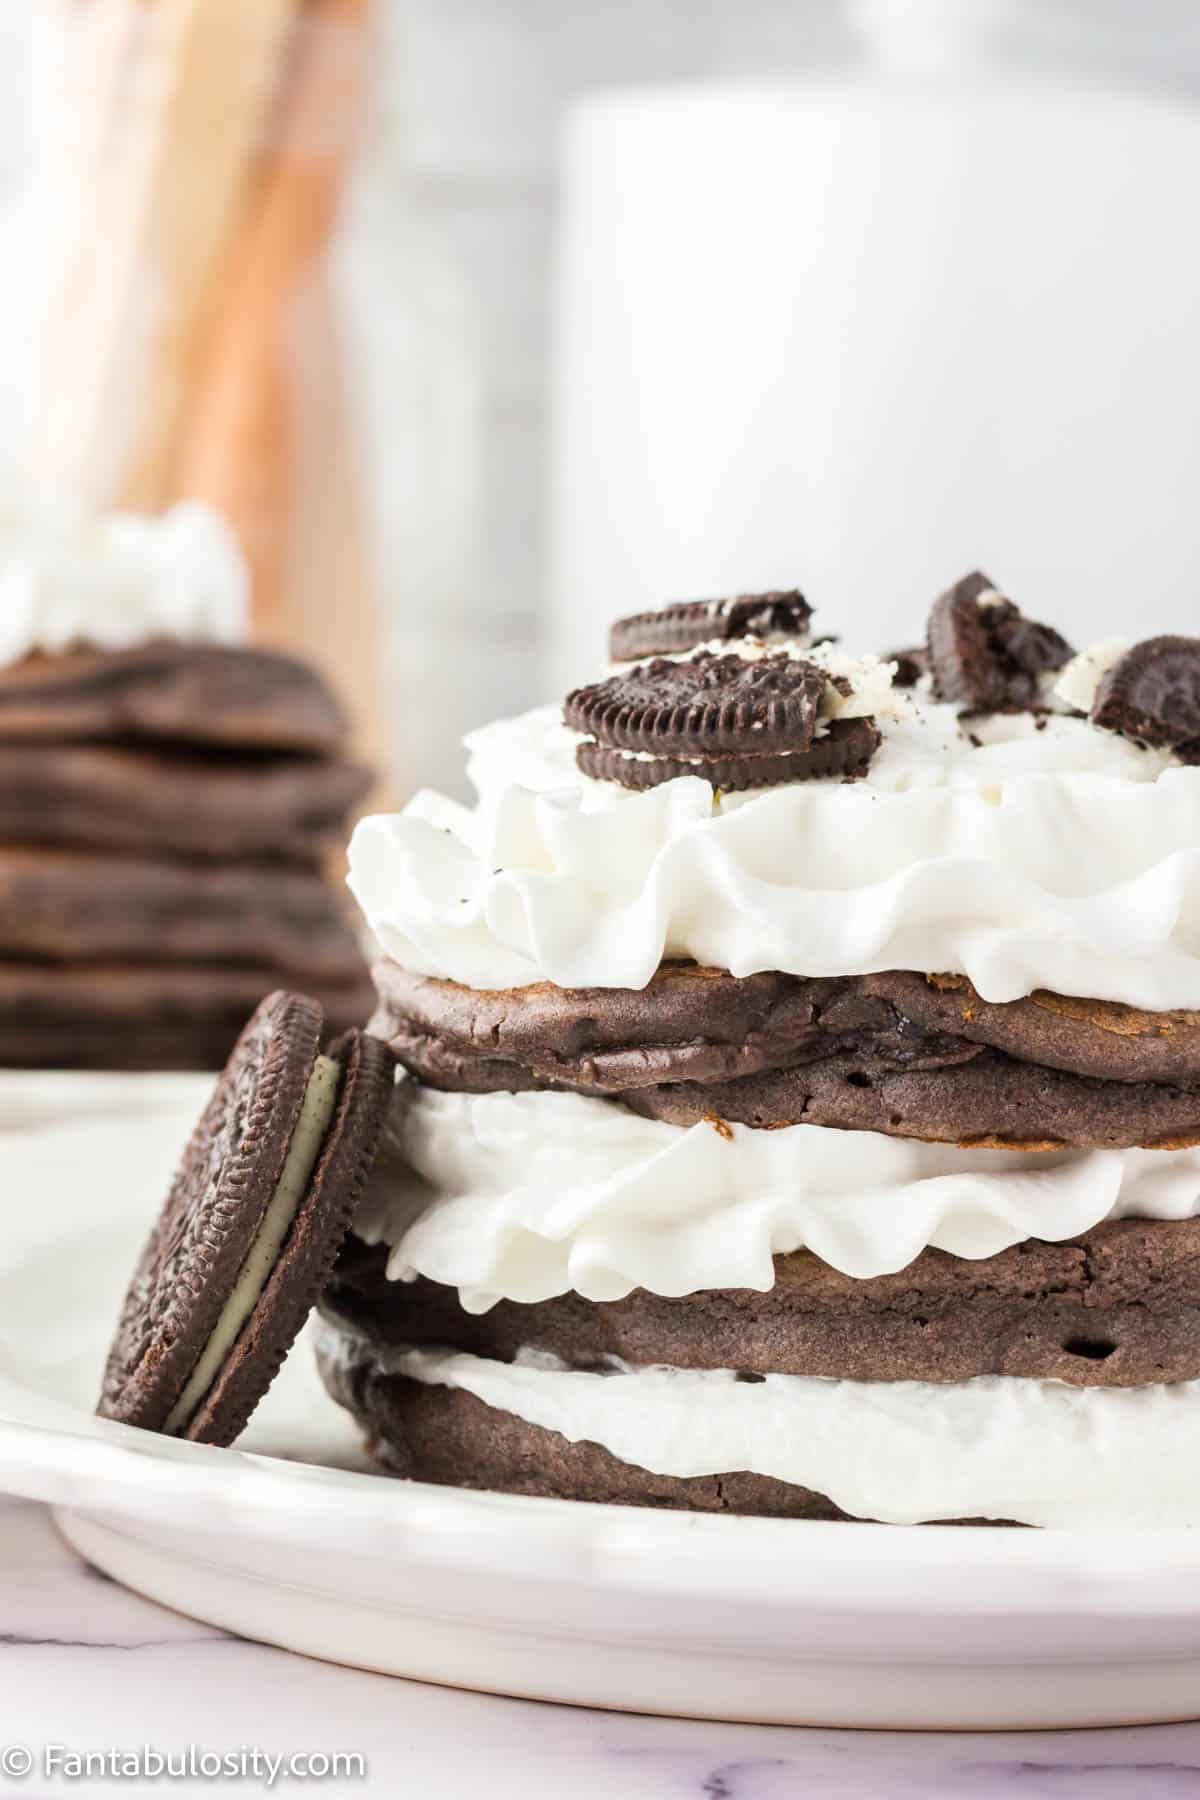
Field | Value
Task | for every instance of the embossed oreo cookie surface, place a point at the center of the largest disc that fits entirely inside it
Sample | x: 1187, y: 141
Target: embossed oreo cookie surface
x: 254, y: 1218
x: 736, y: 723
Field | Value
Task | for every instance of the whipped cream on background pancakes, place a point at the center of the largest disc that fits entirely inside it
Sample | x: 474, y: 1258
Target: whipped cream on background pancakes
x: 69, y: 578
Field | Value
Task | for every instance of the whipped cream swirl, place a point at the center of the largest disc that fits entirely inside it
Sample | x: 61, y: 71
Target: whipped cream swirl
x: 69, y: 579
x: 1021, y: 852
x: 525, y: 1196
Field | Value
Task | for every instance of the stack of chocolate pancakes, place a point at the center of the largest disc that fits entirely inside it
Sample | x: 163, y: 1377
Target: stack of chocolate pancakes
x: 801, y: 1107
x: 166, y: 814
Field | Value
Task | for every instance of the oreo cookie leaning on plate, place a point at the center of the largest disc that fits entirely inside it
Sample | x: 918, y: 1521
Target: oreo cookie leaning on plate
x: 736, y: 723
x: 249, y: 1231
x: 985, y: 654
x: 1153, y: 694
x: 674, y: 630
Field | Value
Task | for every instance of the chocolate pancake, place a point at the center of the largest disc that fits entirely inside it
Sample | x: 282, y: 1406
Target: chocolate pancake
x: 86, y: 907
x: 141, y: 1015
x: 174, y: 693
x: 1117, y: 1307
x: 158, y: 801
x: 983, y: 1098
x: 674, y: 630
x: 895, y: 1053
x: 985, y: 654
x: 251, y: 1225
x: 702, y: 1024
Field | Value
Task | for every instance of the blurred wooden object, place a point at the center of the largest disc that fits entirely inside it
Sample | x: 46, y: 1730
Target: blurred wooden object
x: 269, y: 440
x: 193, y: 349
x: 236, y: 452
x: 186, y: 89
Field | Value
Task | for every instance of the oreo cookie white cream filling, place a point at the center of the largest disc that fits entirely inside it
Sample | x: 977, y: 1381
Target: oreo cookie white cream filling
x: 316, y: 1113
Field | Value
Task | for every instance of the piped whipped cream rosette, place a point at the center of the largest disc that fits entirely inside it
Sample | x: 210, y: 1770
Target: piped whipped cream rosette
x: 801, y: 1093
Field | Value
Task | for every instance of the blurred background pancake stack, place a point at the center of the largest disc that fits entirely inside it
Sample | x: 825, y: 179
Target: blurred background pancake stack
x: 169, y: 809
x: 188, y: 670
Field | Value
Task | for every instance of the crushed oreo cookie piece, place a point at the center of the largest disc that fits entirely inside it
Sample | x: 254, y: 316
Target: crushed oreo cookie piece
x: 911, y: 665
x: 984, y: 654
x: 1153, y: 695
x: 674, y: 630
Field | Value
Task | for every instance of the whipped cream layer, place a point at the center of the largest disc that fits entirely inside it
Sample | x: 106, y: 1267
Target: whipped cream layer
x: 526, y: 1196
x: 68, y: 578
x: 1023, y: 853
x: 905, y: 1452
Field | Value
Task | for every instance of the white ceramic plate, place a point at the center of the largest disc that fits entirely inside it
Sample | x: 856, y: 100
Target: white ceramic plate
x: 292, y: 1540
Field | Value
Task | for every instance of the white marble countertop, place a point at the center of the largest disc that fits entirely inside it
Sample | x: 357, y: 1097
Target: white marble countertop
x: 88, y: 1666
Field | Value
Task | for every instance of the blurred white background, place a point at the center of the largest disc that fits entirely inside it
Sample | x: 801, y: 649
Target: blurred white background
x: 448, y: 262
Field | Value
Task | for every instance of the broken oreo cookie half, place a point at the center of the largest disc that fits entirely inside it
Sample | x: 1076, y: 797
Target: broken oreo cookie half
x: 985, y: 655
x: 1153, y: 694
x: 735, y: 723
x: 674, y: 630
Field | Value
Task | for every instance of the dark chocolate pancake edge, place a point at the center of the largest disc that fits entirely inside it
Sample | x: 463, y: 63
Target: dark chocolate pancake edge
x: 144, y: 1016
x: 1116, y: 1307
x: 898, y: 1053
x: 155, y: 801
x: 214, y: 694
x: 88, y: 906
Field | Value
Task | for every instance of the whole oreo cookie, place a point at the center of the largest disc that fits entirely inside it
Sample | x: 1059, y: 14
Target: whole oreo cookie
x: 844, y: 751
x: 738, y: 724
x: 673, y: 630
x: 984, y: 654
x: 250, y: 1228
x: 1153, y: 694
x: 708, y: 704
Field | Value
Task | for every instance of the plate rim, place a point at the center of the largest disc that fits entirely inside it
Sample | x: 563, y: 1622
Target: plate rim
x: 999, y: 1570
